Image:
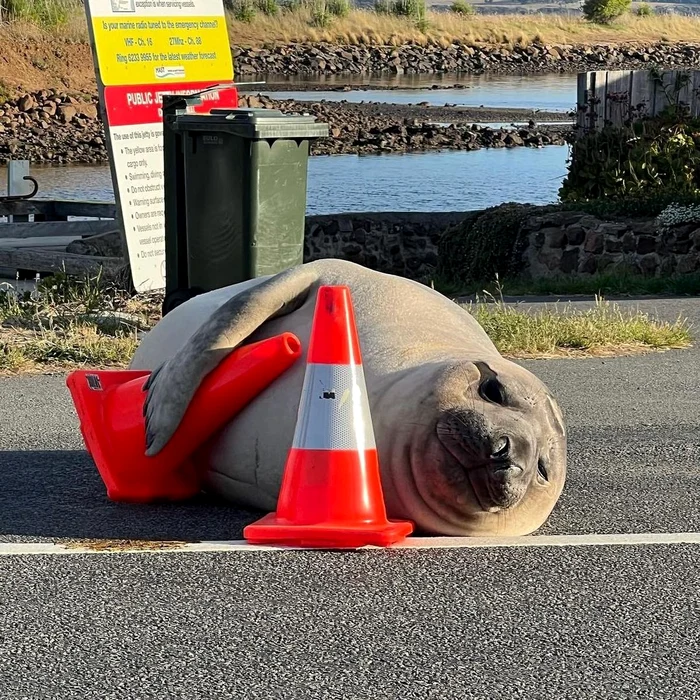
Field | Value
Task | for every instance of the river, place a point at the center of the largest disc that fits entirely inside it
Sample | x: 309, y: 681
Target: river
x: 433, y: 181
x: 554, y: 92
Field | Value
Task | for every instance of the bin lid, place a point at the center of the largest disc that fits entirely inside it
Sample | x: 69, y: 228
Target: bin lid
x: 254, y: 123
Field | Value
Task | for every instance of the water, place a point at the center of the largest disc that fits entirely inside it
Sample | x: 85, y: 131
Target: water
x: 434, y: 181
x: 551, y: 92
x: 444, y: 181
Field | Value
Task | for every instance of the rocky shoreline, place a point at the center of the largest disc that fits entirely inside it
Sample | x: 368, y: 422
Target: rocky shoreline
x: 49, y: 126
x: 382, y: 128
x: 459, y: 57
x: 56, y: 128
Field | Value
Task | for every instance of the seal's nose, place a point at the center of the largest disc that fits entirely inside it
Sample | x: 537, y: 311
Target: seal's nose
x: 501, y: 448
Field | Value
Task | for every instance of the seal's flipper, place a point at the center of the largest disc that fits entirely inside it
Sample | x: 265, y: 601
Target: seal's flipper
x: 172, y: 385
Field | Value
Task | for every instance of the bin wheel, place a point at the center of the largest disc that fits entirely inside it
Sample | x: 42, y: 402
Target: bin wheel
x: 179, y: 296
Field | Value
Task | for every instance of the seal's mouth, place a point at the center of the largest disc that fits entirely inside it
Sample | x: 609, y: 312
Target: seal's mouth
x: 497, y: 479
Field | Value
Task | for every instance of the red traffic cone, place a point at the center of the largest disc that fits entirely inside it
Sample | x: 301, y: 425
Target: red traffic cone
x: 331, y: 493
x: 110, y: 408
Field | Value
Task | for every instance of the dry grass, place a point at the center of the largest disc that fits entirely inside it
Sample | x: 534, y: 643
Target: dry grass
x: 369, y: 28
x: 365, y: 27
x: 66, y: 324
x: 603, y: 330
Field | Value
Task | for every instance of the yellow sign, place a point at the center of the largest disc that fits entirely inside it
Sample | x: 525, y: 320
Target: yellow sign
x: 152, y: 49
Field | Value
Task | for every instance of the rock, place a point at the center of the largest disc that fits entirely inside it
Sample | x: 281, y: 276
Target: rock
x: 594, y: 242
x: 569, y: 261
x: 103, y: 245
x: 66, y: 113
x: 646, y: 244
x: 25, y: 103
x: 613, y: 245
x: 688, y: 263
x: 588, y: 265
x: 575, y: 234
x: 681, y: 246
x: 554, y: 237
x: 649, y: 264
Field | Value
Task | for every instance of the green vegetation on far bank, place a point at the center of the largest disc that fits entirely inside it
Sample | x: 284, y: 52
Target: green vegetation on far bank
x: 393, y: 22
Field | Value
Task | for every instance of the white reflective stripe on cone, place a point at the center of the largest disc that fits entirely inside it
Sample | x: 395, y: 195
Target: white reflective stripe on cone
x: 334, y: 410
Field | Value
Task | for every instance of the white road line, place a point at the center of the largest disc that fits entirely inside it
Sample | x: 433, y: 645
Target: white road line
x: 156, y: 547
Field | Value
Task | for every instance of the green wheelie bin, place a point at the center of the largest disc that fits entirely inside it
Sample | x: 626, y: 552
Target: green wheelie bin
x: 235, y: 196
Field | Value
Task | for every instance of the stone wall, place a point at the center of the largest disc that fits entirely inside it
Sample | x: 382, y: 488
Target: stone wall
x: 325, y: 59
x: 571, y: 243
x: 552, y: 244
x: 403, y: 244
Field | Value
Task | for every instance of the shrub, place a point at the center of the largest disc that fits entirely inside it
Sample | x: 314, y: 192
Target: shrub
x: 657, y: 156
x: 644, y: 10
x: 485, y: 244
x: 338, y: 8
x: 415, y: 9
x: 605, y: 11
x: 461, y: 7
x: 45, y: 13
x: 244, y: 10
x: 320, y: 15
x: 382, y: 7
x: 268, y: 7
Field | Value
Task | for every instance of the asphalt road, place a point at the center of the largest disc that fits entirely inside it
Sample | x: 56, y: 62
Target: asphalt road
x: 545, y: 622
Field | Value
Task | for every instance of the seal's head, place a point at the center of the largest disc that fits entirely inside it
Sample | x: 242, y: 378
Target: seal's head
x: 486, y: 454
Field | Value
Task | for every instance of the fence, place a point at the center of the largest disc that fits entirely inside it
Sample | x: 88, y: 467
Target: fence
x: 618, y: 97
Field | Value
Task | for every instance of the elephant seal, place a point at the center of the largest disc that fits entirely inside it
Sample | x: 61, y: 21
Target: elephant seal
x: 469, y: 443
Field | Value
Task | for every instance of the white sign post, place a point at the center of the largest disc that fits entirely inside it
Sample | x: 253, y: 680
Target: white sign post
x: 143, y: 49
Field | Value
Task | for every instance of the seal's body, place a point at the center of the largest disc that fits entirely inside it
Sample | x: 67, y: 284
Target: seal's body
x: 469, y: 443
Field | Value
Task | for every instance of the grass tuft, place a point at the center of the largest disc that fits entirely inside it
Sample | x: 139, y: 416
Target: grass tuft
x: 66, y: 323
x: 602, y: 330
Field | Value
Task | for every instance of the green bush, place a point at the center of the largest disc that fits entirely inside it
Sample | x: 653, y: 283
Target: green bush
x: 415, y: 9
x: 605, y: 11
x: 270, y: 8
x: 485, y: 244
x: 645, y: 10
x: 382, y: 7
x: 461, y: 7
x: 45, y: 13
x: 320, y: 14
x: 653, y: 157
x: 338, y: 8
x: 243, y: 10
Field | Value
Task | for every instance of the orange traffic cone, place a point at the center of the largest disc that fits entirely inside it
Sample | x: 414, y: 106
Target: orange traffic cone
x: 331, y: 493
x: 110, y: 408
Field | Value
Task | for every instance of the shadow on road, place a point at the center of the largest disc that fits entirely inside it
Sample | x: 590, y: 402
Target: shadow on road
x: 50, y: 495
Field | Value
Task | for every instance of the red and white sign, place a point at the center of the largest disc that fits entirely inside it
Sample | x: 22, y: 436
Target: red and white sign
x: 135, y: 33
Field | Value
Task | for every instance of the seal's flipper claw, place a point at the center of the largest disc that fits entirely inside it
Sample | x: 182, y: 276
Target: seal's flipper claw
x: 164, y: 407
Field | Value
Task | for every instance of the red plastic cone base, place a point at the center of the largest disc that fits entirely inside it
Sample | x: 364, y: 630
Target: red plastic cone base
x: 110, y: 403
x: 274, y: 530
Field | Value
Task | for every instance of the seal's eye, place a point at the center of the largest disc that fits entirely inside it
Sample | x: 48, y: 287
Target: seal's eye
x: 492, y: 390
x: 542, y: 470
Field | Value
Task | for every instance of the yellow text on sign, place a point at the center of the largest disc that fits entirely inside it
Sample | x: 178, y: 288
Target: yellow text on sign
x: 144, y: 50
